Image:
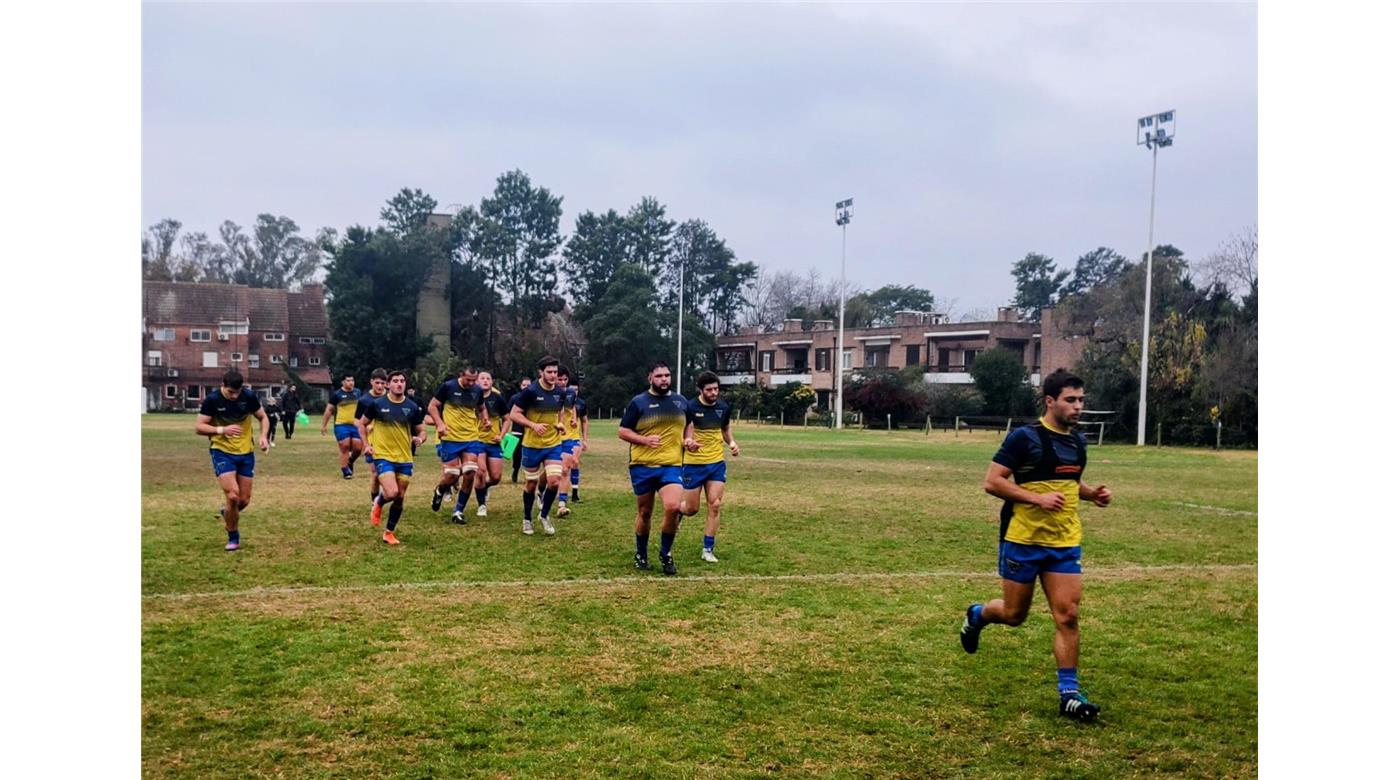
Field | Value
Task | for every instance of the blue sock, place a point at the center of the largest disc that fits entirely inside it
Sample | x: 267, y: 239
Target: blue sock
x: 666, y: 541
x: 462, y: 497
x: 710, y: 543
x: 642, y: 544
x: 233, y: 536
x: 573, y: 478
x: 345, y: 470
x: 1069, y: 680
x: 529, y: 504
x: 563, y: 498
x: 976, y: 615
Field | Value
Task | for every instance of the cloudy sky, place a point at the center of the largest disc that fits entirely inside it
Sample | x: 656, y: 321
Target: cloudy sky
x: 967, y: 134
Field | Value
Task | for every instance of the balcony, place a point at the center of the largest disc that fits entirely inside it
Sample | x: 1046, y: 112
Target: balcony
x: 791, y: 374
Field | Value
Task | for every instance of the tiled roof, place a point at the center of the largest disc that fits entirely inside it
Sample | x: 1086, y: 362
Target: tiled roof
x: 187, y: 303
x: 306, y: 310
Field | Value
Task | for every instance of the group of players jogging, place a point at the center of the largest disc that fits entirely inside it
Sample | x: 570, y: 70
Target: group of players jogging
x: 676, y: 451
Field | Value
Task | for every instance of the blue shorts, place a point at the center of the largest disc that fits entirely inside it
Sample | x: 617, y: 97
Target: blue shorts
x: 493, y: 451
x: 370, y: 461
x: 224, y: 463
x: 449, y: 451
x: 568, y: 446
x: 346, y: 431
x: 532, y: 457
x: 649, y: 479
x: 382, y: 467
x: 1024, y: 562
x: 693, y: 475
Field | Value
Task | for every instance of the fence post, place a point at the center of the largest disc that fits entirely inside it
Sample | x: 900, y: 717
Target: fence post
x: 1217, y: 434
x: 957, y: 426
x: 928, y: 424
x: 781, y: 418
x: 805, y: 415
x: 888, y: 427
x: 1159, y: 433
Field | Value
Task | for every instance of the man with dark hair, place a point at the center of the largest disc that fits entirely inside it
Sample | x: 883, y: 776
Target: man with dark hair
x: 539, y: 411
x: 516, y: 432
x: 569, y: 444
x: 344, y: 402
x: 1038, y: 475
x: 391, y: 445
x: 378, y: 388
x: 290, y: 402
x: 706, y: 433
x: 491, y: 461
x: 654, y: 425
x: 456, y: 412
x: 226, y: 417
x: 578, y: 429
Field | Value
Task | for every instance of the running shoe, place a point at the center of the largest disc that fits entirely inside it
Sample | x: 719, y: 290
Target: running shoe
x: 969, y: 634
x: 389, y: 538
x: 1076, y: 707
x: 437, y: 498
x: 640, y: 561
x: 458, y: 518
x: 481, y: 511
x: 527, y: 528
x: 547, y: 526
x: 668, y: 565
x: 374, y: 514
x: 708, y: 556
x: 231, y: 546
x: 563, y: 511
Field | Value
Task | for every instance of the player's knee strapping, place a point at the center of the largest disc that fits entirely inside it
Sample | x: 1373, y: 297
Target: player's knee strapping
x: 451, y: 471
x: 553, y: 470
x: 531, y: 474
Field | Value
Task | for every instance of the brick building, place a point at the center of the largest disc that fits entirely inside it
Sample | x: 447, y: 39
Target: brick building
x: 944, y: 349
x: 192, y: 333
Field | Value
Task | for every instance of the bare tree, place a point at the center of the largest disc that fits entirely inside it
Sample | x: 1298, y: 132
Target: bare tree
x: 1236, y: 263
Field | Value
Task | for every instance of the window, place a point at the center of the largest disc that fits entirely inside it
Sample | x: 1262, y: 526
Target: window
x: 199, y: 335
x: 277, y: 359
x: 171, y: 391
x: 846, y: 358
x: 823, y: 360
x: 969, y: 355
x: 211, y: 360
x: 231, y: 328
x: 153, y: 357
x: 294, y: 361
x: 765, y: 361
x: 318, y: 340
x: 274, y: 337
x: 304, y: 340
x: 945, y: 358
x: 254, y: 361
x: 313, y: 361
x: 192, y: 391
x: 163, y: 334
x: 235, y: 357
x: 911, y: 355
x: 877, y: 357
x: 275, y: 390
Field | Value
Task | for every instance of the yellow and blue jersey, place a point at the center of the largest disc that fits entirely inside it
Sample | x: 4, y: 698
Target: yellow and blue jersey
x: 541, y: 406
x: 1043, y: 460
x: 656, y: 415
x: 497, y: 407
x: 394, y: 422
x: 459, y: 405
x: 239, y: 411
x: 346, y: 403
x: 573, y: 423
x: 367, y: 398
x: 709, y: 420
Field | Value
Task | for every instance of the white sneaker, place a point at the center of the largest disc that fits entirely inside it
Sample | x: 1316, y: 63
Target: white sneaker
x: 527, y: 528
x: 481, y: 511
x: 708, y: 556
x: 562, y: 511
x: 547, y: 526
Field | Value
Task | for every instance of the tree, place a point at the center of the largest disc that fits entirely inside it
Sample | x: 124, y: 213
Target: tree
x: 649, y: 235
x: 1094, y: 268
x: 1037, y: 284
x: 624, y: 338
x: 158, y: 250
x: 591, y: 257
x: 407, y: 210
x: 878, y: 392
x: 370, y: 276
x: 892, y: 298
x: 275, y: 256
x: 1235, y: 265
x: 515, y: 234
x: 1001, y: 378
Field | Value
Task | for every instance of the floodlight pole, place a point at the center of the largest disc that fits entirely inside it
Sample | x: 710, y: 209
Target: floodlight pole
x: 1155, y: 139
x: 843, y: 218
x: 680, y: 331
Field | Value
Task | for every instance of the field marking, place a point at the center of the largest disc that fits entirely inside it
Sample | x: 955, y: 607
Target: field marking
x: 765, y: 460
x: 1222, y: 510
x: 646, y: 580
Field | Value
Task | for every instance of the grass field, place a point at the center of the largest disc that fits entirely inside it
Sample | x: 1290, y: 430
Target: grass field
x: 823, y: 644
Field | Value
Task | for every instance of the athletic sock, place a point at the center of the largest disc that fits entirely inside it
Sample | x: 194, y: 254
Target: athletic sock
x: 710, y: 543
x: 354, y: 456
x: 976, y: 616
x: 395, y: 509
x: 563, y: 498
x: 1069, y: 680
x: 642, y: 544
x: 345, y: 471
x: 481, y: 496
x: 462, y: 499
x: 666, y: 541
x: 548, y: 503
x: 573, y: 478
x: 529, y: 504
x: 233, y: 537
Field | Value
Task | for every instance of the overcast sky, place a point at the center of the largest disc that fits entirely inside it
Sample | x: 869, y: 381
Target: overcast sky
x: 967, y: 134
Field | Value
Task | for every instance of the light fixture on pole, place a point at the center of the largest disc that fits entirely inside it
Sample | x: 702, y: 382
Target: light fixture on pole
x: 1154, y: 132
x: 843, y: 218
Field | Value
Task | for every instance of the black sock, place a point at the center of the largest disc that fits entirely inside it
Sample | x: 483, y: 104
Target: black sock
x: 395, y: 509
x: 666, y: 541
x: 642, y: 544
x: 529, y: 504
x: 550, y: 493
x: 481, y: 496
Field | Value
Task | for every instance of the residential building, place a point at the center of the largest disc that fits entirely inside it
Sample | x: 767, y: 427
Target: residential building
x: 192, y: 333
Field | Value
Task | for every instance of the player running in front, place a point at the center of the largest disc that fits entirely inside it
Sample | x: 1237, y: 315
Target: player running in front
x: 578, y: 431
x: 378, y: 388
x: 397, y: 425
x: 653, y: 424
x: 226, y: 417
x: 1038, y: 473
x: 706, y: 434
x: 570, y: 442
x: 345, y: 401
x: 456, y: 412
x: 538, y: 410
x: 490, y: 462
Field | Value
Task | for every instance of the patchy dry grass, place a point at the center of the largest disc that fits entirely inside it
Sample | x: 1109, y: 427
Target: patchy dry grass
x: 424, y: 661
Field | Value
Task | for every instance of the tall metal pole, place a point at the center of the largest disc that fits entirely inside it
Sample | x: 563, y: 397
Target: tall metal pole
x: 1147, y: 310
x: 841, y: 335
x: 680, y: 331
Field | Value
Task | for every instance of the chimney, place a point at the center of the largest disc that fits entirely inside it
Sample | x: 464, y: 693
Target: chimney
x: 792, y: 326
x: 1007, y: 314
x: 824, y: 325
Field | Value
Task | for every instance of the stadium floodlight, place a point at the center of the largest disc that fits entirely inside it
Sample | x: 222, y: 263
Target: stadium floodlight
x: 1154, y: 132
x: 680, y: 330
x: 843, y: 218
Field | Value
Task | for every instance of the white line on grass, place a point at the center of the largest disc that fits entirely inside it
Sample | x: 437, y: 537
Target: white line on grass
x: 644, y: 580
x: 1222, y: 510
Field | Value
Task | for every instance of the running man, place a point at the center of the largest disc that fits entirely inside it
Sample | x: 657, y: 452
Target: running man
x: 654, y: 424
x: 344, y: 402
x: 1037, y: 473
x: 391, y: 445
x: 578, y: 426
x: 491, y: 462
x: 539, y: 411
x: 378, y: 388
x: 570, y: 442
x: 226, y: 417
x: 706, y: 433
x: 456, y: 412
x: 518, y: 434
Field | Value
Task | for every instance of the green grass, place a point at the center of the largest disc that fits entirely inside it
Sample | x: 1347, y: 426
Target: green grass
x: 317, y: 651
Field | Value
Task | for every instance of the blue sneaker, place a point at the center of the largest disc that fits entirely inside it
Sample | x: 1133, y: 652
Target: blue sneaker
x: 970, y: 634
